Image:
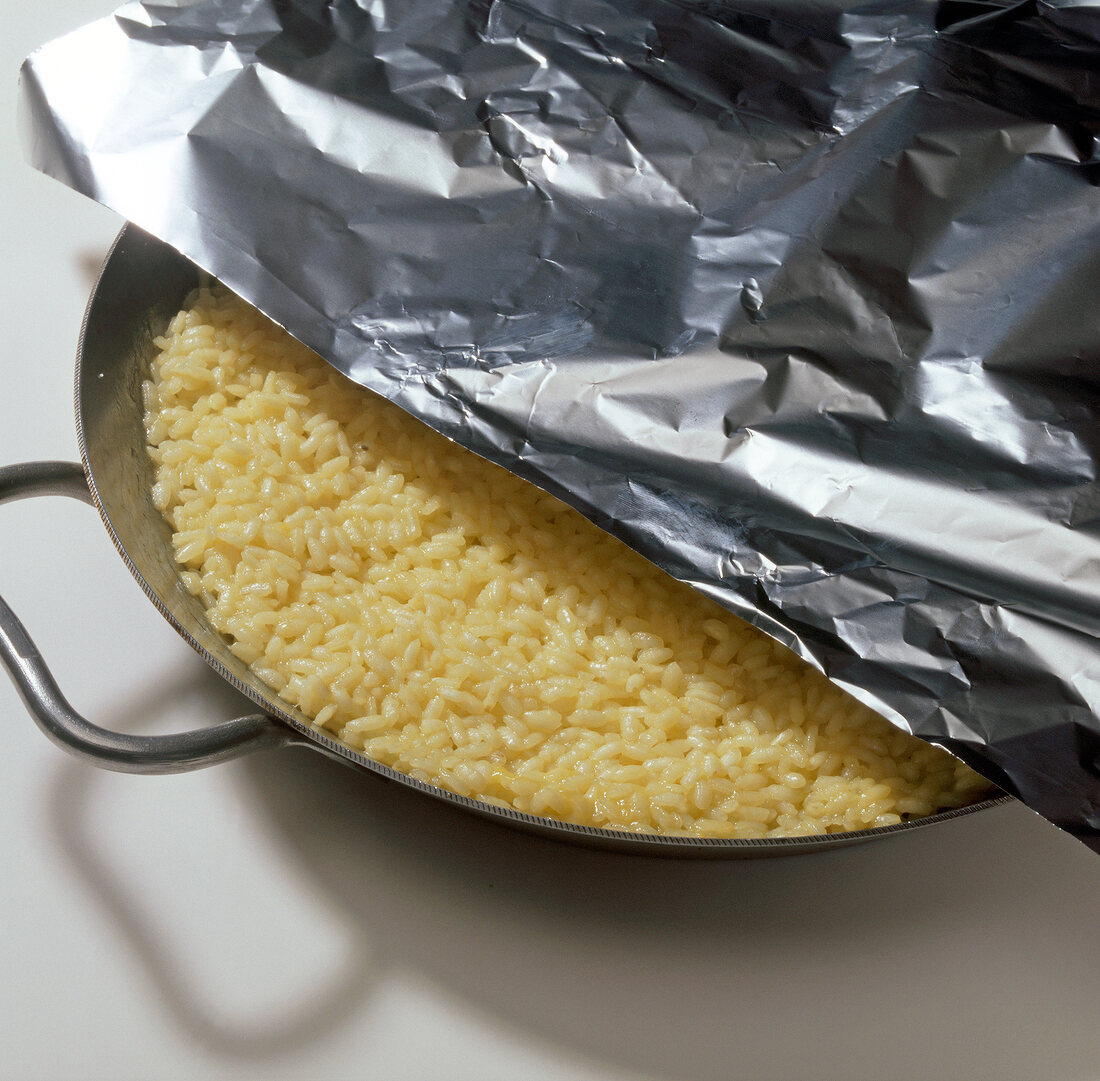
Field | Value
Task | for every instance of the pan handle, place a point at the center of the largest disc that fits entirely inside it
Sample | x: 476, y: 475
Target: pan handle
x: 176, y: 753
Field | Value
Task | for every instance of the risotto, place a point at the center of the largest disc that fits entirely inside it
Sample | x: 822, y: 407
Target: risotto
x: 450, y: 620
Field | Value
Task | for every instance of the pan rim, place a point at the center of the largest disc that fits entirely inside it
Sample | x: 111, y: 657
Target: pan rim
x: 305, y: 734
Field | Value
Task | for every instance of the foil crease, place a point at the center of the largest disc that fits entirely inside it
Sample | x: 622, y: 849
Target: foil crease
x: 796, y: 298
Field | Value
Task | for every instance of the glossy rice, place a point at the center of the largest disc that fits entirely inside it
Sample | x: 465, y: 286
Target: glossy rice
x: 458, y: 624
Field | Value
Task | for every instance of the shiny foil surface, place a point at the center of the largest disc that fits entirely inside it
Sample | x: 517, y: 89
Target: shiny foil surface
x: 796, y: 298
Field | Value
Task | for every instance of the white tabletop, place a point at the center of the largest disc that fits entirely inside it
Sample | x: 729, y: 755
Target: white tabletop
x: 285, y: 917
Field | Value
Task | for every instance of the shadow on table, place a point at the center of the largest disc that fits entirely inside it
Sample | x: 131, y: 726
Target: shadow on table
x: 963, y: 950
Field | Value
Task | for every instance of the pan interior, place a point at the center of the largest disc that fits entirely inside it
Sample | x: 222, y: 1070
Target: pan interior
x: 143, y: 284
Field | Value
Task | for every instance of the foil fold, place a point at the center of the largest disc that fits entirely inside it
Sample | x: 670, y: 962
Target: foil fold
x: 797, y: 299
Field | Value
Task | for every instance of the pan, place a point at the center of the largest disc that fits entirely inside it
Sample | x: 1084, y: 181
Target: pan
x: 142, y: 284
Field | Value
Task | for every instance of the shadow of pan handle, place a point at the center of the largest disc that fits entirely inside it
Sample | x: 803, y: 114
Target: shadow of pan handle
x: 175, y: 753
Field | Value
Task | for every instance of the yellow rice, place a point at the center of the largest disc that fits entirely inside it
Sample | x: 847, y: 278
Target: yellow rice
x: 460, y: 625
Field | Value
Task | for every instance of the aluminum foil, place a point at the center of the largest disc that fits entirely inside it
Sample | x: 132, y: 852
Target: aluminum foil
x: 798, y: 298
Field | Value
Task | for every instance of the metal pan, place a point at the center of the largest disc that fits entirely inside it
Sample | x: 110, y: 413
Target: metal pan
x: 143, y: 283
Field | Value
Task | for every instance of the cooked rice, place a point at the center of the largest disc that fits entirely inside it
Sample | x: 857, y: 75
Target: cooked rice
x: 460, y: 625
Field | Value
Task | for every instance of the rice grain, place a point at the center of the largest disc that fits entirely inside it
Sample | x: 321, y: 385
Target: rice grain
x: 450, y: 620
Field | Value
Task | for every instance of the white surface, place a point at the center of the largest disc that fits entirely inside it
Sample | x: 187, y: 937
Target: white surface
x: 283, y: 917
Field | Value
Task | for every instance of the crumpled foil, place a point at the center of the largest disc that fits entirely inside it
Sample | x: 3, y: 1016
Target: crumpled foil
x: 796, y: 297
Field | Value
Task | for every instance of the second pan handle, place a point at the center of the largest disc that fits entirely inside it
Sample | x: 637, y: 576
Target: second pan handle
x: 176, y: 753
